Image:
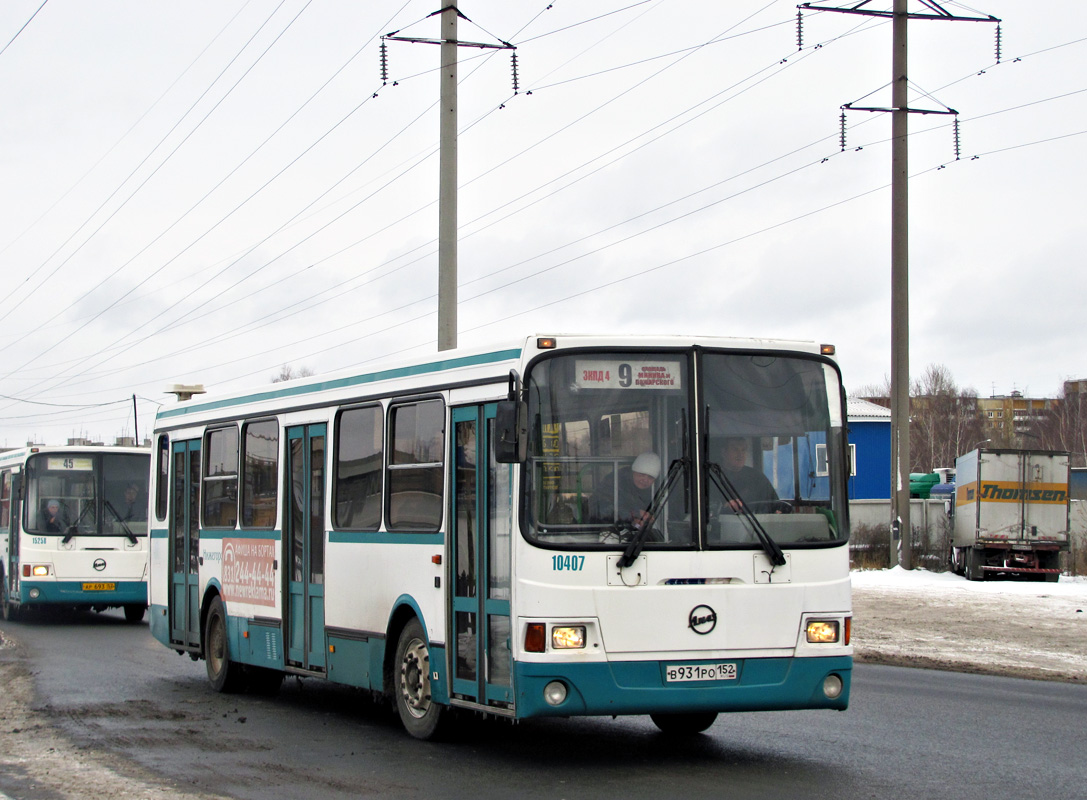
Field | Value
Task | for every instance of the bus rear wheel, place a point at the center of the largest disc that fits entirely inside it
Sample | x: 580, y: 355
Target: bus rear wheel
x: 686, y: 724
x: 420, y: 715
x: 263, y: 681
x: 224, y: 675
x: 134, y: 613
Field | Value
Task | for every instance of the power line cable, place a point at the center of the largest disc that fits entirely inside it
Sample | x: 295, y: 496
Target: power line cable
x: 134, y: 171
x: 106, y: 154
x: 23, y: 28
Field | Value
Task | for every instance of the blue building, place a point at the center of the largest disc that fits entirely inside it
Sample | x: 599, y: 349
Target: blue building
x: 870, y: 447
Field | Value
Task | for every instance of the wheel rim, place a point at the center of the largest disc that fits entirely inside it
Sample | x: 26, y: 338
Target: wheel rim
x: 415, y: 678
x: 216, y: 645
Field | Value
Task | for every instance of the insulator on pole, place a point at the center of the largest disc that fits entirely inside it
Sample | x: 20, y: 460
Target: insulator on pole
x: 841, y: 136
x: 957, y: 141
x: 998, y: 44
x: 384, y: 61
x: 513, y: 62
x: 799, y: 30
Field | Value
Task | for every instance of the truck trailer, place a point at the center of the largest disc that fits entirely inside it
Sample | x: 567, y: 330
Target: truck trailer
x: 1010, y: 514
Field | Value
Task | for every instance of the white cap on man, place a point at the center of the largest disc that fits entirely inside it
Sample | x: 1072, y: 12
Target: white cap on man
x: 647, y: 464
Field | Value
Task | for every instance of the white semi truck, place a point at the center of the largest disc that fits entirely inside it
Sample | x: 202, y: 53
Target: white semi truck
x: 1010, y: 514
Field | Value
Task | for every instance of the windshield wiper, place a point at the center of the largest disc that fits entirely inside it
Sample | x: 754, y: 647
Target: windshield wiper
x: 724, y: 485
x: 634, y: 548
x: 73, y: 529
x: 128, y: 531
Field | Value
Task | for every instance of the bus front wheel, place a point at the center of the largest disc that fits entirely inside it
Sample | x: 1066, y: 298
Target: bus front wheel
x: 10, y: 609
x: 684, y: 724
x: 224, y: 674
x: 420, y: 715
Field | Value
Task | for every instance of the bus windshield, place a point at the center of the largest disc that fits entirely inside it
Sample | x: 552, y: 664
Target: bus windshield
x: 616, y: 452
x: 86, y: 494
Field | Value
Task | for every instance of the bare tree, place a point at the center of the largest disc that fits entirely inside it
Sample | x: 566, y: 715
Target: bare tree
x: 879, y: 393
x: 287, y: 372
x: 1064, y: 426
x: 944, y: 419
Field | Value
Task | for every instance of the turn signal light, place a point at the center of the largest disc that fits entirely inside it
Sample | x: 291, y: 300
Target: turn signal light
x: 535, y: 637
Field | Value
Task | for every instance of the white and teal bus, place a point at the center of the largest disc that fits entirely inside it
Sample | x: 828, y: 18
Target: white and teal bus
x: 573, y: 525
x: 73, y: 528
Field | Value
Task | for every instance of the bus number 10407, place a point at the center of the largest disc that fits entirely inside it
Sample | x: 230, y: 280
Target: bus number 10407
x: 567, y: 562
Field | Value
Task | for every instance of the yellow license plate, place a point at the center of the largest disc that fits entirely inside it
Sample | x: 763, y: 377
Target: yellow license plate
x: 99, y: 587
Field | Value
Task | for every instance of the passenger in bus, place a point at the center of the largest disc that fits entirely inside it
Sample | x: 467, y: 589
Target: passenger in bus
x: 753, y: 487
x: 635, y: 493
x: 54, y: 521
x: 132, y: 510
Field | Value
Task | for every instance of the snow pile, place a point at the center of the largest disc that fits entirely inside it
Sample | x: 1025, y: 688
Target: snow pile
x: 922, y: 579
x: 942, y: 620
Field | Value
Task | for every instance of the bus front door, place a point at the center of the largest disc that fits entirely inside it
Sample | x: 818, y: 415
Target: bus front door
x: 185, y: 545
x: 482, y: 517
x: 9, y: 500
x: 304, y: 548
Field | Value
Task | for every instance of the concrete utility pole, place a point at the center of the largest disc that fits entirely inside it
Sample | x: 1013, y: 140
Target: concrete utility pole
x: 900, y: 293
x: 447, y: 186
x: 447, y: 164
x: 901, y: 528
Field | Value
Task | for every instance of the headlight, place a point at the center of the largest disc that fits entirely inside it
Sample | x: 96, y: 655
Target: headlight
x: 832, y: 686
x: 39, y: 570
x: 555, y: 693
x: 568, y: 637
x: 822, y: 631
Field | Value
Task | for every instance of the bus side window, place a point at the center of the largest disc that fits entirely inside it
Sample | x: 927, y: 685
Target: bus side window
x: 221, y: 478
x: 356, y: 501
x: 260, y: 474
x: 416, y: 461
x: 162, y: 486
x: 5, y: 501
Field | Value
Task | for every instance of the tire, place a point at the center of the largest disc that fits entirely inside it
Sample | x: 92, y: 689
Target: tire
x: 263, y: 681
x: 420, y: 715
x: 11, y: 611
x: 134, y: 613
x: 973, y: 560
x: 684, y: 724
x: 225, y: 676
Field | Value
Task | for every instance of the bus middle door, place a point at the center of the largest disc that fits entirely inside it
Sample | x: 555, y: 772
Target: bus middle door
x: 304, y: 548
x: 185, y: 545
x: 482, y: 522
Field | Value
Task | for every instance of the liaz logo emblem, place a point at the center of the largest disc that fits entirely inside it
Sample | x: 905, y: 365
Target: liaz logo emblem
x: 99, y: 564
x: 702, y: 620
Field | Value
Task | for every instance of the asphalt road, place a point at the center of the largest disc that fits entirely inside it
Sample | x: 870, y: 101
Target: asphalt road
x: 909, y: 732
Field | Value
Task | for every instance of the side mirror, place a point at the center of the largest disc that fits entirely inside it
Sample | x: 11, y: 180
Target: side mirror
x: 511, y: 432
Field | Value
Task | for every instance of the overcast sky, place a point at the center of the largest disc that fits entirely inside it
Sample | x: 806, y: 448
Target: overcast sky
x: 207, y: 191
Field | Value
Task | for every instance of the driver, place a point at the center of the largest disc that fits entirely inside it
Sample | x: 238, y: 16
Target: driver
x: 754, y: 488
x: 635, y: 492
x: 54, y: 523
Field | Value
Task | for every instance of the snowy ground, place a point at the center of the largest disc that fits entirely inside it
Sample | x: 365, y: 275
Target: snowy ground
x: 941, y: 620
